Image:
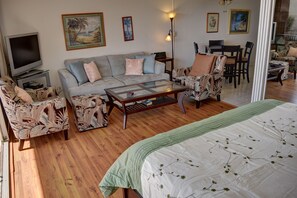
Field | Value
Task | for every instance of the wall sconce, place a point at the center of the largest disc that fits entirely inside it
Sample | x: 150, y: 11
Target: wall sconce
x: 170, y: 35
x: 225, y: 2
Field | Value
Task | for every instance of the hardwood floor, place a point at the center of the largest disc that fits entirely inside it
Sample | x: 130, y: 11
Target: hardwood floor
x: 50, y: 167
x: 287, y: 92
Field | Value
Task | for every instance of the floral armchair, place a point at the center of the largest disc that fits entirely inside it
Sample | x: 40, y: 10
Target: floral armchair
x: 47, y: 114
x: 203, y: 86
x: 284, y: 55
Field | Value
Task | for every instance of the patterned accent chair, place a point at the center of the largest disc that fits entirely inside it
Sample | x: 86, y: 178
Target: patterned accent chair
x: 90, y: 112
x: 46, y: 115
x: 204, y: 86
x: 282, y: 56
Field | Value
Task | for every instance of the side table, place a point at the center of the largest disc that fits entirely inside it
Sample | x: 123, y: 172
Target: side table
x: 275, y: 72
x: 282, y: 63
x: 165, y: 60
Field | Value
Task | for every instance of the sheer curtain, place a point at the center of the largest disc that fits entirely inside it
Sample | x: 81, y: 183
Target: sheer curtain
x: 3, y: 72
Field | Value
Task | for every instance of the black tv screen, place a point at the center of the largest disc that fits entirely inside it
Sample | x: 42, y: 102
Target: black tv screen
x: 23, y: 52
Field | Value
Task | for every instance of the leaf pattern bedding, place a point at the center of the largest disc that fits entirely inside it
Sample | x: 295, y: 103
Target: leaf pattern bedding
x: 253, y: 158
x: 246, y: 152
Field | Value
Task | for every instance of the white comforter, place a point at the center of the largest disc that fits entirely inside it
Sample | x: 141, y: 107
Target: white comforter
x: 253, y: 158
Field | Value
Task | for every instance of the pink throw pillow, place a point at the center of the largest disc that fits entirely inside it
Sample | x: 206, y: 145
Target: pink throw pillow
x: 134, y: 66
x: 92, y: 71
x: 292, y: 52
x: 23, y: 95
x: 202, y: 65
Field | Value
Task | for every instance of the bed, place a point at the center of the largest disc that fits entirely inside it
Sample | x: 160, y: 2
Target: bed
x: 250, y: 151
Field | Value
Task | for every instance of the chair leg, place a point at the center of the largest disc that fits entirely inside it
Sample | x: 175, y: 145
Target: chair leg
x: 21, y: 144
x: 66, y: 134
x: 218, y: 97
x: 295, y: 74
x: 197, y: 104
x: 235, y: 81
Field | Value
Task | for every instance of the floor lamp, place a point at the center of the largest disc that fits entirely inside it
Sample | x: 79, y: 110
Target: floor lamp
x: 170, y: 35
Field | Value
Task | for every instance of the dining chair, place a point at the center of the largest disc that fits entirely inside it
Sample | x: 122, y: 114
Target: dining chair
x: 215, y: 46
x: 196, y: 48
x: 245, y: 60
x: 232, y: 53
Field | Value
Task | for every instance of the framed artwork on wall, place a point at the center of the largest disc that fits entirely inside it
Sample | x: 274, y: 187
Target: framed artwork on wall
x: 83, y: 30
x: 239, y: 21
x: 128, y: 28
x: 212, y: 22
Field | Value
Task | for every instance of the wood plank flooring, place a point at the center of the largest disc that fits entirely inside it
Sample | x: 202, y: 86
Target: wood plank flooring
x: 51, y: 167
x: 287, y: 92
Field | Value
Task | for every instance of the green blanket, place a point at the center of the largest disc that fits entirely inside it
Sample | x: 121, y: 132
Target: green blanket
x: 126, y: 170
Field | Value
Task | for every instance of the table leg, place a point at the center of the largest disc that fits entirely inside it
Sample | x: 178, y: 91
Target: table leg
x: 180, y: 101
x: 125, y: 117
x: 111, y: 104
x: 279, y: 76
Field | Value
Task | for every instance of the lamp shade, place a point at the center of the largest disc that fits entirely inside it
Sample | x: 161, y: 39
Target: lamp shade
x: 171, y: 15
x: 168, y: 37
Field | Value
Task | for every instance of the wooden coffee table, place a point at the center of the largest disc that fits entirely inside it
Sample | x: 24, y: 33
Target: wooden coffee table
x: 144, y: 96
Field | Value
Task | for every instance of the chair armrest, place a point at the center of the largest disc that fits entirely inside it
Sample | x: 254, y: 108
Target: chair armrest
x: 178, y: 72
x: 159, y: 67
x: 43, y: 93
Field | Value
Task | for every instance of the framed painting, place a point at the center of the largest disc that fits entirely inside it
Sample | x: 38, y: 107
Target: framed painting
x: 128, y: 28
x: 84, y: 30
x: 212, y: 22
x: 239, y: 21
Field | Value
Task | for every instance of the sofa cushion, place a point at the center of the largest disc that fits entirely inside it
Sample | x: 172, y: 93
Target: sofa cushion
x: 77, y: 69
x: 103, y: 66
x: 129, y: 79
x: 117, y: 62
x: 95, y: 88
x: 148, y: 64
x: 134, y: 66
x: 101, y: 62
x: 92, y: 71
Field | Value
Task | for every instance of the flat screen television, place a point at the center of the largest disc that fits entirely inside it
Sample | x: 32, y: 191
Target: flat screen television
x: 23, y: 53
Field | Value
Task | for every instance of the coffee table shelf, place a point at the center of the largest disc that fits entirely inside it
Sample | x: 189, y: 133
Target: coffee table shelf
x: 129, y: 99
x: 138, y: 107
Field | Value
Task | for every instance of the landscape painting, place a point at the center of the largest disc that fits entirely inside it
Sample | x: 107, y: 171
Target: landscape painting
x: 239, y: 21
x: 84, y: 30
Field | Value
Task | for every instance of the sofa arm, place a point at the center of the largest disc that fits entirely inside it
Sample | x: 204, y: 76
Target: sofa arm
x: 67, y: 81
x: 159, y: 67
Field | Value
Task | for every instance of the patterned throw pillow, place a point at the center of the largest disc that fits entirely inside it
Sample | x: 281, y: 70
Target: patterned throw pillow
x: 92, y: 71
x: 134, y: 66
x: 23, y: 95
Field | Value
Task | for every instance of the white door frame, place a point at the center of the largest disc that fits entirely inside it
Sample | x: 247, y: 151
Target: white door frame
x: 263, y: 49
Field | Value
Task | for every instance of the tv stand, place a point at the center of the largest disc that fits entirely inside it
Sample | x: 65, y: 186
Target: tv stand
x: 33, y: 75
x: 30, y: 73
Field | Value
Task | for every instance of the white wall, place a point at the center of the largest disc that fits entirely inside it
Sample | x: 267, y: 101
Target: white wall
x: 150, y: 24
x: 191, y: 26
x: 43, y: 16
